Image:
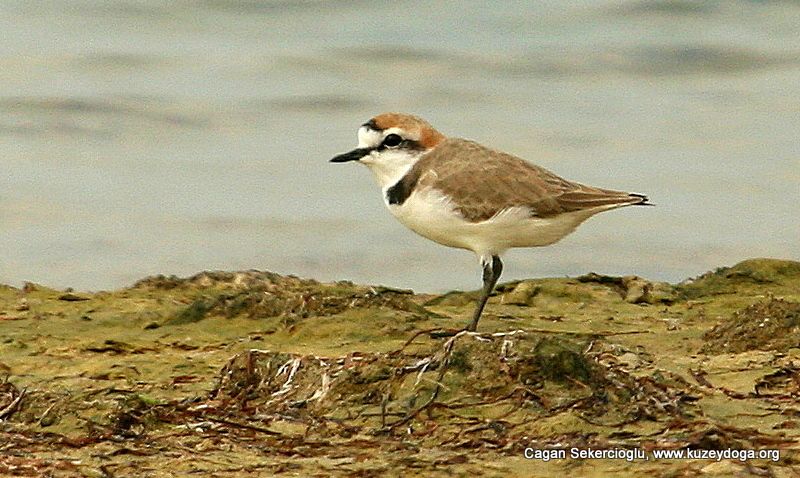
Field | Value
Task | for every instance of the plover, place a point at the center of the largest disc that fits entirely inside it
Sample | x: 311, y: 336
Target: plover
x: 462, y: 194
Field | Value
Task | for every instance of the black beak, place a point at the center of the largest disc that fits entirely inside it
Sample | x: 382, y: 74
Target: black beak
x: 353, y: 155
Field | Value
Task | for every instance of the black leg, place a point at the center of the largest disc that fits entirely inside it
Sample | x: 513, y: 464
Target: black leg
x: 492, y: 268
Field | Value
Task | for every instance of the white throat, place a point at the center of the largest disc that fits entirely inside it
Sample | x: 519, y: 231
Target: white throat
x: 389, y: 166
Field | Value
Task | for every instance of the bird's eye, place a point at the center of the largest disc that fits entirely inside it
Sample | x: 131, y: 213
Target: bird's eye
x: 392, y: 140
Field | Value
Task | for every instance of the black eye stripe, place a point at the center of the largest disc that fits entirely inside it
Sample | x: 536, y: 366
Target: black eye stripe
x: 408, y: 144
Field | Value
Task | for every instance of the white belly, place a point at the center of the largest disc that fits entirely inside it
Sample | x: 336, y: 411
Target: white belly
x: 432, y: 215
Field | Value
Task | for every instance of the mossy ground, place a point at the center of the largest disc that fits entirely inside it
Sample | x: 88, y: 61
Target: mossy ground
x: 234, y: 374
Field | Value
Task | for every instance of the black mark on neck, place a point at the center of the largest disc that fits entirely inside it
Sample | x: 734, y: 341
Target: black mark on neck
x: 397, y: 194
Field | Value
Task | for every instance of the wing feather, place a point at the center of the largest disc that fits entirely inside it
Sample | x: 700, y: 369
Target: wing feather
x: 483, y: 182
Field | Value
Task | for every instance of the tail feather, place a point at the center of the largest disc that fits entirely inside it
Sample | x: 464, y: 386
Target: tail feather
x: 591, y: 198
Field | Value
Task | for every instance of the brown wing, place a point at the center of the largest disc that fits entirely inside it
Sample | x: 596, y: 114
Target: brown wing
x: 486, y: 182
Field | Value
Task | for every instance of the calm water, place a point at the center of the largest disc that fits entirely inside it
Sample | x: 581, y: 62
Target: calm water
x: 142, y: 137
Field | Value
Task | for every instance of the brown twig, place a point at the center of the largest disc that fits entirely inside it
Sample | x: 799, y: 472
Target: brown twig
x: 9, y: 410
x: 244, y: 426
x: 592, y: 334
x: 443, y: 362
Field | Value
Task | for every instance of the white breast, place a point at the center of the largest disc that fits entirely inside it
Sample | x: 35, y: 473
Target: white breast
x: 432, y: 215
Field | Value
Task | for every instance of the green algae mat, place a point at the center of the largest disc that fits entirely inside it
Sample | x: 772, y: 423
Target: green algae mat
x: 256, y: 374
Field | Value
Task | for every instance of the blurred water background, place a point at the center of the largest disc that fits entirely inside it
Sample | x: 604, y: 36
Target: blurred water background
x: 144, y: 137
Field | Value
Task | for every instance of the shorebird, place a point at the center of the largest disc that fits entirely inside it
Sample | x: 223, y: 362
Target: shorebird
x: 462, y: 194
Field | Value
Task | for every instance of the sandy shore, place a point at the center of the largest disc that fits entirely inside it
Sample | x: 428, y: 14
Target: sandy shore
x: 248, y: 372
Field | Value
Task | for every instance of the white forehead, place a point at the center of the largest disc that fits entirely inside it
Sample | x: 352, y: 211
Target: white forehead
x: 368, y: 137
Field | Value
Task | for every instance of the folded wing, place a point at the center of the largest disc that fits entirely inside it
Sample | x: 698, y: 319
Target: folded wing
x: 483, y: 182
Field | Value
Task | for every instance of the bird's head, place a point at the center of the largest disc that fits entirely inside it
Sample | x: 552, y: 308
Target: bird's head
x: 390, y: 143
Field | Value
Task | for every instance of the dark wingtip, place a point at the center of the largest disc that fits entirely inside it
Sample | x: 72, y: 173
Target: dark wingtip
x: 643, y: 200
